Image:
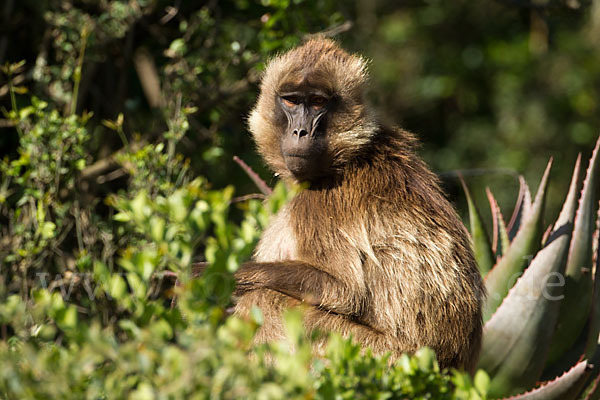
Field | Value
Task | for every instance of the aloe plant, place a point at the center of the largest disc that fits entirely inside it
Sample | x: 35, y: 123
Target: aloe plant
x: 542, y: 313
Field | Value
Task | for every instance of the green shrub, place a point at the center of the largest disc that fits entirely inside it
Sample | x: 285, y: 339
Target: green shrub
x: 99, y: 322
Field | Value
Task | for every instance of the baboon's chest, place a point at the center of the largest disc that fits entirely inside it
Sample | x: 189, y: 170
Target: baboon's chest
x: 322, y: 231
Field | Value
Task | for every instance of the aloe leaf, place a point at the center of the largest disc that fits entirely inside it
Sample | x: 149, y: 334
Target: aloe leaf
x: 500, y: 241
x: 481, y: 242
x: 580, y: 253
x: 566, y: 360
x: 575, y: 307
x: 527, y: 241
x: 594, y: 324
x: 517, y: 336
x: 547, y: 233
x: 565, y: 387
x: 522, y: 207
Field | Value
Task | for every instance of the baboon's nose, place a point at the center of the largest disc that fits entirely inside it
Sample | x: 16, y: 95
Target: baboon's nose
x: 300, y: 132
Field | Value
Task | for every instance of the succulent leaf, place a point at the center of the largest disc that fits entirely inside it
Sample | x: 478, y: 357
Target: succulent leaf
x: 565, y: 387
x: 526, y: 242
x: 594, y: 322
x: 481, y: 242
x: 580, y: 252
x: 565, y: 336
x: 522, y: 207
x: 575, y: 307
x: 500, y: 241
x: 547, y: 233
x: 517, y: 336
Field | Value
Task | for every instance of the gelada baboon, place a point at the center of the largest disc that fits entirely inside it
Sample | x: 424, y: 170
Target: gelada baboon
x: 371, y: 246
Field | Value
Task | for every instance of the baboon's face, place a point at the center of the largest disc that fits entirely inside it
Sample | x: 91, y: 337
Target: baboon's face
x: 303, y: 110
x: 311, y: 120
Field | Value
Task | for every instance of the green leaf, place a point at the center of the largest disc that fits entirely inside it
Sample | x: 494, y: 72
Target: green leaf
x: 257, y: 315
x: 122, y: 217
x: 56, y: 302
x: 48, y: 229
x: 162, y: 329
x: 129, y: 326
x: 117, y: 288
x: 67, y: 318
x: 177, y: 206
x: 140, y: 207
x: 40, y: 213
x: 42, y: 297
x: 143, y: 391
x: 101, y: 272
x: 516, y: 338
x: 80, y: 164
x: 426, y: 359
x: 157, y: 227
x: 526, y: 243
x: 481, y: 381
x: 481, y: 243
x: 177, y: 48
x: 137, y: 285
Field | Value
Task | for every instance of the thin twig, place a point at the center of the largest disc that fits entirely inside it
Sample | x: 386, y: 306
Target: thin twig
x: 251, y: 196
x: 111, y: 176
x: 332, y: 31
x: 17, y: 80
x: 99, y: 167
x: 149, y: 78
x: 78, y: 68
x: 262, y: 186
x: 108, y: 164
x: 171, y: 12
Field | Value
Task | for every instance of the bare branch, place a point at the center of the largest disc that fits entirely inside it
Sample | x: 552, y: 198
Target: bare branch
x: 262, y: 186
x: 146, y: 70
x: 331, y: 31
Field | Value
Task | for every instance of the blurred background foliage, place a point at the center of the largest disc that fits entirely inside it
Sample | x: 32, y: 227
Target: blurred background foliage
x: 120, y: 120
x: 494, y: 88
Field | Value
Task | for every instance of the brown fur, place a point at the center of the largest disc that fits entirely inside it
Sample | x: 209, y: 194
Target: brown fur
x: 374, y: 248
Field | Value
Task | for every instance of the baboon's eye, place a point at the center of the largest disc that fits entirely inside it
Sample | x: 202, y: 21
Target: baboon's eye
x: 318, y: 102
x: 290, y: 101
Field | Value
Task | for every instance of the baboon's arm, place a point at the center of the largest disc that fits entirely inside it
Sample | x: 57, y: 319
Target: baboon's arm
x: 303, y: 282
